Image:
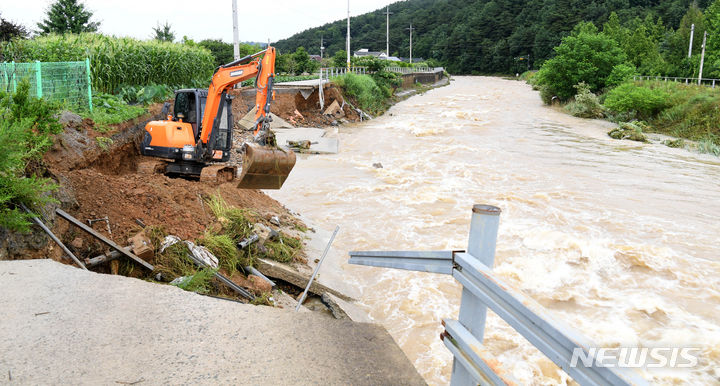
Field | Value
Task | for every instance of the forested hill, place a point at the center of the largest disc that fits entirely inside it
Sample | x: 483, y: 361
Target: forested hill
x: 481, y: 36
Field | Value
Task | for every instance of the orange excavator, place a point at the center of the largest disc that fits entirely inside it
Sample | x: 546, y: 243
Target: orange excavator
x: 196, y: 138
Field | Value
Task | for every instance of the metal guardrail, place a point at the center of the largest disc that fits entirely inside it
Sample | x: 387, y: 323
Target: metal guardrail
x: 709, y: 82
x: 482, y: 289
x: 414, y: 70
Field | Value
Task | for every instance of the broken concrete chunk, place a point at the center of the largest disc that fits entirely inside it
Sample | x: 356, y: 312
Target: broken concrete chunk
x: 275, y: 220
x: 203, y: 254
x: 142, y: 246
x: 263, y: 231
x: 333, y: 108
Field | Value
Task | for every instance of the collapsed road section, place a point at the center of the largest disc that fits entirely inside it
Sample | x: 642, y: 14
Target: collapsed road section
x: 113, y: 329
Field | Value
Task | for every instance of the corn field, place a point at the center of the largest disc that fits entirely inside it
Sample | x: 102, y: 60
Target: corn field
x: 117, y: 62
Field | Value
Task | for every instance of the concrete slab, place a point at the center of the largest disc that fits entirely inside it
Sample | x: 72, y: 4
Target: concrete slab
x: 62, y: 325
x: 320, y: 142
x: 247, y: 121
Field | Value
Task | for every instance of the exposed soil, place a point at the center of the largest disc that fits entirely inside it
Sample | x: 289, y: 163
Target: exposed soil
x: 108, y: 183
x: 288, y: 103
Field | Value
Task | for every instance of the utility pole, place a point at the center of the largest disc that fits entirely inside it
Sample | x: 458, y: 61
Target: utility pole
x: 702, y: 58
x: 322, y: 47
x: 387, y: 31
x: 692, y: 34
x: 348, y: 38
x: 236, y: 39
x: 411, y: 29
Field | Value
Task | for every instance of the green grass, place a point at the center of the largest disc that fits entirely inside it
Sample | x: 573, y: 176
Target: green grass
x: 199, y: 282
x: 223, y: 247
x: 104, y: 142
x: 284, y: 249
x: 111, y: 110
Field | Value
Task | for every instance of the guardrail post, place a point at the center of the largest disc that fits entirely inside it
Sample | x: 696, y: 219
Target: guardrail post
x: 481, y: 245
x: 38, y: 78
x: 87, y: 71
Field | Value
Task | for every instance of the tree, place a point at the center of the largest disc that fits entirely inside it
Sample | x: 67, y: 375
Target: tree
x: 303, y: 61
x: 712, y: 23
x: 164, y: 32
x: 585, y: 56
x: 10, y: 30
x: 223, y: 52
x: 340, y: 58
x: 67, y: 16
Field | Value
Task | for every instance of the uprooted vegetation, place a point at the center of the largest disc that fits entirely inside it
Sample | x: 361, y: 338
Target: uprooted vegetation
x: 231, y: 226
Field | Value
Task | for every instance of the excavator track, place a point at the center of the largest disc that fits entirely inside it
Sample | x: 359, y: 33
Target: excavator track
x: 218, y: 173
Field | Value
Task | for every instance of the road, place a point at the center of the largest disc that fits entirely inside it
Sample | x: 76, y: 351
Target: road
x: 62, y: 325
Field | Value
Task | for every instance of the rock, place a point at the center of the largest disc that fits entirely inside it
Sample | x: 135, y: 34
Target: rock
x: 273, y: 235
x: 69, y: 119
x: 377, y: 165
x: 258, y: 285
x: 334, y: 123
x: 77, y: 243
x: 275, y: 220
x: 629, y: 130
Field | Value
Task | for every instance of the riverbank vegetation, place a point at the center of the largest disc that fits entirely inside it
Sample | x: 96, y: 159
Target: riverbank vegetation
x: 371, y: 92
x: 594, y: 71
x: 26, y: 124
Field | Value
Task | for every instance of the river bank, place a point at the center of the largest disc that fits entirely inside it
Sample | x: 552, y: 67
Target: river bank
x: 585, y: 228
x: 676, y: 114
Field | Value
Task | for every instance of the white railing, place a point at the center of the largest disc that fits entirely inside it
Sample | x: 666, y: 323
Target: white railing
x: 709, y: 82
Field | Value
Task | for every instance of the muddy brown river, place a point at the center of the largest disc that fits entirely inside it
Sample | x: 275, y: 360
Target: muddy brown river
x: 619, y: 239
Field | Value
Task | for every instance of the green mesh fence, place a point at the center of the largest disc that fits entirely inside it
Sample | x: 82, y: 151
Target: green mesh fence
x: 65, y: 82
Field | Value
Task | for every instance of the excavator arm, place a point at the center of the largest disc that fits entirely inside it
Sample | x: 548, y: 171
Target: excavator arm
x: 233, y: 73
x: 264, y: 166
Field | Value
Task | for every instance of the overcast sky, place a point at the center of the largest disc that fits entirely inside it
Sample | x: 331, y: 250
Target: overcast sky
x: 201, y: 19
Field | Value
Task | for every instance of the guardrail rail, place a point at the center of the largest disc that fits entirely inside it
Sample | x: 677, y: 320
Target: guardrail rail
x: 482, y: 289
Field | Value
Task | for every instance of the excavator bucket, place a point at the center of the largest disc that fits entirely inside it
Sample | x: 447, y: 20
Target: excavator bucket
x: 265, y: 168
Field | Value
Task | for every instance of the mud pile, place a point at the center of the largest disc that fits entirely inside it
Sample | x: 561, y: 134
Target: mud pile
x: 100, y: 178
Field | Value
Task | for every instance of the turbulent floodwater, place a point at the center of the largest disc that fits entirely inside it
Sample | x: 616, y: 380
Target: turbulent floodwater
x: 619, y: 239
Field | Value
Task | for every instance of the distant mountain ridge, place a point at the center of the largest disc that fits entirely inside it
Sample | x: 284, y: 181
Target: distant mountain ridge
x: 481, y: 36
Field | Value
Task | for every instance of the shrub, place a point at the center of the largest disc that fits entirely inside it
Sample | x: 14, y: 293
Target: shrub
x: 586, y: 104
x: 636, y: 99
x: 620, y: 74
x: 387, y: 81
x: 145, y: 95
x: 364, y: 90
x: 26, y: 124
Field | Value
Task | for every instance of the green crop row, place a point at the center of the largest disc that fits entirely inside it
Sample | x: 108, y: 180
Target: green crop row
x: 117, y: 62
